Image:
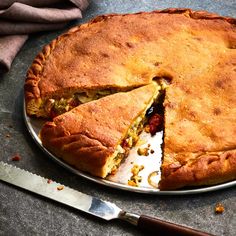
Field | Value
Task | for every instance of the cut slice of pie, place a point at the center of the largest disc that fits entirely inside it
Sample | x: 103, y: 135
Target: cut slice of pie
x: 95, y: 137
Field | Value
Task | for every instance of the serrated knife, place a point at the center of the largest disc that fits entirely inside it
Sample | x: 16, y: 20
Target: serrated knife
x: 88, y: 204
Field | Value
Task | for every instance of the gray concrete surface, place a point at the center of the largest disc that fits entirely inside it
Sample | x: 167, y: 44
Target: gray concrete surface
x: 22, y: 213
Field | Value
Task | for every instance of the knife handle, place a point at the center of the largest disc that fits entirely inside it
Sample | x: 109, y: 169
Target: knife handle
x: 161, y: 227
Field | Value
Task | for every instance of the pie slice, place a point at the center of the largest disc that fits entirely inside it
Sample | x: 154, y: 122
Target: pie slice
x: 95, y: 137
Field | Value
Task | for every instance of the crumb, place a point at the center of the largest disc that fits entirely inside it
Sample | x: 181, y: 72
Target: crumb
x: 135, y: 179
x: 49, y: 181
x: 149, y: 145
x: 136, y: 169
x: 219, y: 208
x: 16, y: 157
x: 61, y: 187
x: 152, y: 151
x: 132, y: 183
x: 131, y: 162
x: 143, y: 151
x: 147, y: 129
x: 7, y: 135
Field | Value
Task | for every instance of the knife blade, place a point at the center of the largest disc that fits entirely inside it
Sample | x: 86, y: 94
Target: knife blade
x: 89, y: 204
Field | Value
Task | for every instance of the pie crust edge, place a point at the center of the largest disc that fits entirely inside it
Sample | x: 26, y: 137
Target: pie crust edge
x: 207, y: 169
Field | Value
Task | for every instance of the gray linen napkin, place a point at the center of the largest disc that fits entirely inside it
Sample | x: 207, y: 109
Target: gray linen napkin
x: 18, y: 18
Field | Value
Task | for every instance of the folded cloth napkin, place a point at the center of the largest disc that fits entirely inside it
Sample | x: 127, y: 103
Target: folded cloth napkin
x: 18, y: 18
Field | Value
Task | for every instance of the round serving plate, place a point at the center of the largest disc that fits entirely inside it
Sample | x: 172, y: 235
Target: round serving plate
x: 150, y: 174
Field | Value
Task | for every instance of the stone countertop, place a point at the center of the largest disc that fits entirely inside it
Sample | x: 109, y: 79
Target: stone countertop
x: 23, y: 213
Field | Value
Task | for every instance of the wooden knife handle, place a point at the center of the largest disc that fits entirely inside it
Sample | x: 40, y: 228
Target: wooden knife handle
x: 160, y: 227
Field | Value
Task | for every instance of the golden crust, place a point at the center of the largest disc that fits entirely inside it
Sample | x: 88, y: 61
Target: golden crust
x: 193, y: 49
x: 87, y: 136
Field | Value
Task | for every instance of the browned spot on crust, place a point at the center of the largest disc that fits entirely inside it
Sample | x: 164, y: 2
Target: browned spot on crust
x: 105, y: 55
x: 169, y: 105
x: 220, y: 84
x: 145, y: 75
x: 212, y: 159
x: 198, y: 39
x: 129, y: 44
x: 157, y: 63
x: 192, y: 115
x: 232, y: 46
x: 188, y: 91
x: 216, y: 111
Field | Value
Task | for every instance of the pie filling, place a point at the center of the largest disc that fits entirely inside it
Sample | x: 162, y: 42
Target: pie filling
x: 55, y: 107
x: 151, y: 120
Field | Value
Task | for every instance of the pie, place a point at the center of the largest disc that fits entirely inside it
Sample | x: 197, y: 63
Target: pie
x: 191, y: 52
x: 87, y: 138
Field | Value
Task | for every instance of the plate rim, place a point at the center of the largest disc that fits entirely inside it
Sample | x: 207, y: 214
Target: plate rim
x: 114, y: 184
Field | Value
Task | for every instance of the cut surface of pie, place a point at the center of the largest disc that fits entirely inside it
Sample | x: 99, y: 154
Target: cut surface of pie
x: 91, y: 139
x: 193, y: 50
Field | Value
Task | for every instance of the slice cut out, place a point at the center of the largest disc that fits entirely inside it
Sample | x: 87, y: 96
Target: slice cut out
x: 95, y: 137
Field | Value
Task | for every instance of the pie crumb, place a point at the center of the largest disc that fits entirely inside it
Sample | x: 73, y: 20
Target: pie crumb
x: 61, y: 187
x: 16, y: 157
x: 219, y: 208
x: 143, y: 151
x: 135, y: 179
x: 132, y: 183
x: 49, y: 181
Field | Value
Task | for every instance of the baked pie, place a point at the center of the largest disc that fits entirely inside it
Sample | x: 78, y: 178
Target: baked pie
x: 193, y: 52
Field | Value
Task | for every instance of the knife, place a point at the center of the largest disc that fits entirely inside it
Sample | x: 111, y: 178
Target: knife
x: 88, y: 204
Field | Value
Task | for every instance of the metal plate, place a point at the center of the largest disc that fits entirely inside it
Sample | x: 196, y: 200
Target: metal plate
x: 150, y: 174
